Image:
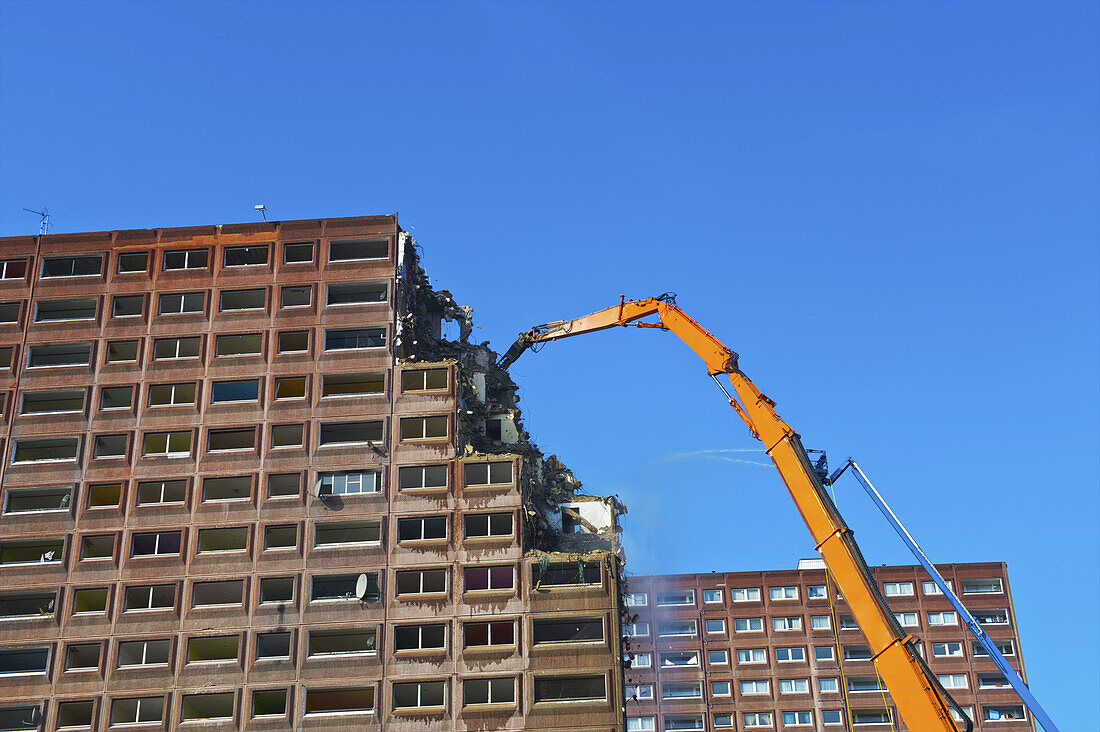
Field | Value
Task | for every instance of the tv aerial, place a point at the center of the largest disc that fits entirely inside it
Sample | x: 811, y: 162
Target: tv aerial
x: 44, y: 214
x: 261, y: 209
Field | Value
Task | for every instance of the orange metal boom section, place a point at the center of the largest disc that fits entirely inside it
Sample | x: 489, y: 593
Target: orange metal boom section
x: 920, y: 702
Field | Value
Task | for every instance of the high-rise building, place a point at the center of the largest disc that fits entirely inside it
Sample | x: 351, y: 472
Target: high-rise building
x: 779, y: 650
x: 248, y: 484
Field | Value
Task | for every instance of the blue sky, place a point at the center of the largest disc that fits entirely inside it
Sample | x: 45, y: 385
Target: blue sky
x: 889, y: 210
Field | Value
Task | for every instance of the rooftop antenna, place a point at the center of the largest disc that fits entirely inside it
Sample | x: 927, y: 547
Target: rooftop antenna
x: 44, y: 226
x: 262, y: 209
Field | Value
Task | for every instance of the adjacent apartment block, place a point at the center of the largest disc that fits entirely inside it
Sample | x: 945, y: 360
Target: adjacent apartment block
x: 248, y: 484
x: 779, y: 651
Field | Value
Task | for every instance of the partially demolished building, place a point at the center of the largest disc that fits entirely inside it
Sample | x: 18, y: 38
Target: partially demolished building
x: 247, y: 482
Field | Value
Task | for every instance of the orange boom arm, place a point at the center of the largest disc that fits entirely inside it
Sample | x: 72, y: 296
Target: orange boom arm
x: 920, y: 699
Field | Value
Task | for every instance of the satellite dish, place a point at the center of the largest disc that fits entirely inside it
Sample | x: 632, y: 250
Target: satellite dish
x: 361, y: 586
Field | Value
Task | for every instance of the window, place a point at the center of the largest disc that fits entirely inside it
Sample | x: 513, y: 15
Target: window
x: 1004, y: 646
x: 172, y: 348
x: 897, y: 589
x: 30, y: 604
x: 419, y: 637
x: 751, y: 720
x: 990, y: 681
x: 290, y: 387
x: 831, y: 716
x: 684, y: 722
x: 907, y: 620
x: 720, y: 688
x: 273, y: 645
x: 723, y: 721
x: 83, y: 657
x: 131, y: 262
x: 356, y: 293
x: 823, y: 653
x: 72, y: 266
x: 47, y: 450
x: 421, y: 581
x: 248, y: 344
x: 186, y: 259
x: 207, y: 707
x: 787, y: 623
x: 991, y: 617
x: 298, y: 252
x: 77, y: 308
x: 929, y: 587
x: 790, y: 654
x: 31, y: 551
x: 143, y: 653
x: 121, y: 351
x: 955, y: 681
x: 676, y: 597
x: 244, y: 256
x: 161, y: 491
x: 349, y: 433
x: 155, y: 544
x: 341, y: 642
x: 341, y: 340
x: 163, y: 395
x: 5, y: 357
x: 422, y: 528
x: 9, y: 312
x: 236, y: 488
x: 13, y: 269
x: 37, y: 500
x: 489, y: 579
x: 345, y: 700
x: 213, y: 649
x: 943, y: 617
x: 342, y: 250
x: 247, y: 390
x: 715, y: 625
x: 284, y: 485
x: 677, y: 627
x: 109, y: 446
x: 947, y: 650
x: 783, y: 593
x: 816, y: 592
x: 1000, y: 712
x: 225, y: 539
x: 142, y: 710
x: 424, y: 380
x: 90, y: 600
x: 338, y: 533
x: 638, y: 660
x: 167, y: 444
x: 181, y: 303
x: 241, y: 438
x: 351, y: 483
x: 423, y: 428
x: 641, y: 724
x: 59, y: 354
x: 150, y: 597
x: 857, y: 653
x: 419, y: 694
x: 567, y: 630
x: 287, y: 435
x: 872, y: 716
x: 752, y: 655
x: 710, y: 596
x: 635, y: 599
x: 487, y: 525
x: 495, y: 633
x: 566, y: 573
x: 847, y: 622
x: 797, y: 719
x: 116, y: 397
x: 489, y: 691
x: 749, y: 688
x: 794, y: 686
x: 53, y: 402
x: 828, y: 686
x: 748, y: 625
x: 343, y: 385
x: 570, y: 688
x: 293, y: 341
x: 487, y: 474
x: 718, y: 658
x: 227, y: 592
x: 296, y: 296
x: 635, y: 630
x: 253, y: 299
x: 97, y: 547
x: 820, y: 622
x: 280, y: 589
x: 127, y: 306
x: 682, y: 690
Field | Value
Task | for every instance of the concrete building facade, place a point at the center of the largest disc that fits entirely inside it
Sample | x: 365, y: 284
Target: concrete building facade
x: 248, y: 484
x: 779, y: 650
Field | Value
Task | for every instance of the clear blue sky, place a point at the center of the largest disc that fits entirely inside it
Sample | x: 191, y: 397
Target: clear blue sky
x: 890, y: 211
